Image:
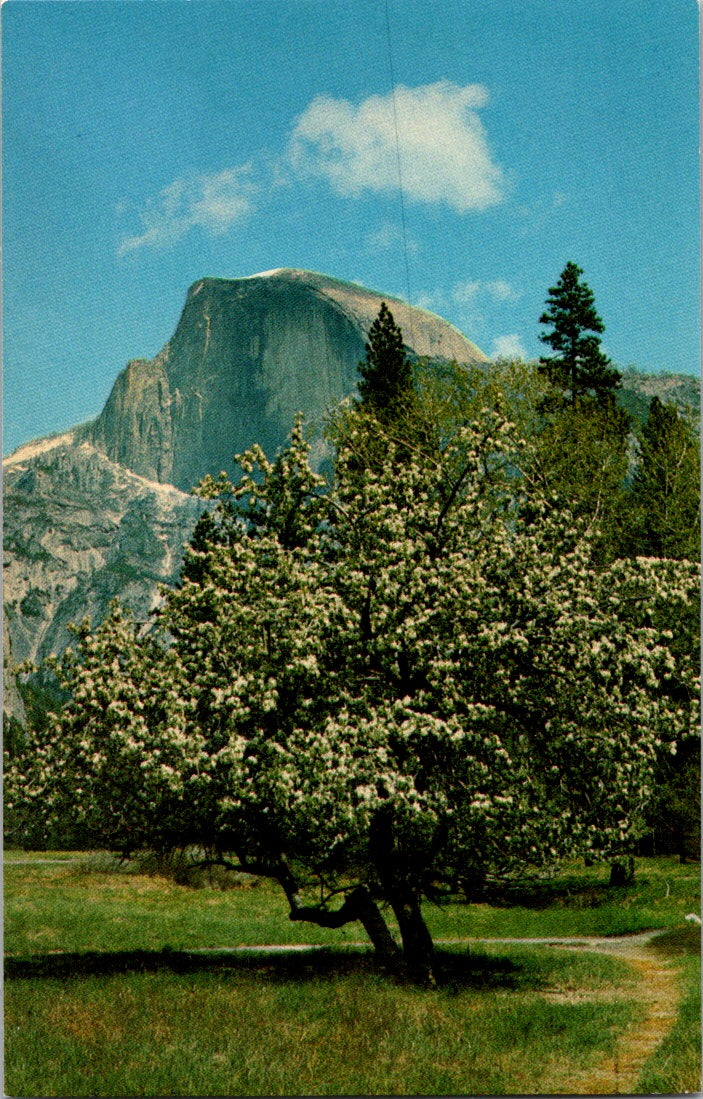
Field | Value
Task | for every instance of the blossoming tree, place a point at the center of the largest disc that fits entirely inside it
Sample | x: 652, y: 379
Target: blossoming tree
x: 367, y: 692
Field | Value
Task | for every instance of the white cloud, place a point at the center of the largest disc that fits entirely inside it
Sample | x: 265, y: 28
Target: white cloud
x: 466, y: 293
x: 508, y: 347
x: 468, y: 302
x: 213, y: 202
x: 442, y: 146
x: 546, y: 210
x: 500, y: 290
x: 472, y: 299
x: 390, y: 236
x: 433, y: 134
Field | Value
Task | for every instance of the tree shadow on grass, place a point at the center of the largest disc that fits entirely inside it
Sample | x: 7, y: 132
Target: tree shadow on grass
x: 461, y: 971
x: 458, y: 970
x: 569, y: 893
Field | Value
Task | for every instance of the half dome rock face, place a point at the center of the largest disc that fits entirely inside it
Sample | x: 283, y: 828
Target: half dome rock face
x: 247, y: 355
x: 101, y: 511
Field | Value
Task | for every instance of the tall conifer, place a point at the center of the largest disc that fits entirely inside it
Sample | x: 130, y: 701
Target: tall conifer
x: 579, y: 368
x: 386, y: 382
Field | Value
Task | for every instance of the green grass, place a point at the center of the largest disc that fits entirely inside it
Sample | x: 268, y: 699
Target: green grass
x: 104, y: 1009
x: 91, y: 905
x: 577, y: 901
x: 263, y: 1033
x: 51, y: 907
x: 19, y: 857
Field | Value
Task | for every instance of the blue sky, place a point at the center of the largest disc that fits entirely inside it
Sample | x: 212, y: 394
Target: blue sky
x: 149, y: 143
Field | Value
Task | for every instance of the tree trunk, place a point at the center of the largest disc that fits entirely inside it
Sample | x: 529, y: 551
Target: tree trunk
x: 622, y: 871
x: 358, y: 905
x: 418, y: 948
x: 376, y: 928
x: 396, y: 888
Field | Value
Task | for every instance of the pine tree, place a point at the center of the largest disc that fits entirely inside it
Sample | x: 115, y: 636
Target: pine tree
x: 580, y: 368
x: 386, y: 382
x: 666, y: 486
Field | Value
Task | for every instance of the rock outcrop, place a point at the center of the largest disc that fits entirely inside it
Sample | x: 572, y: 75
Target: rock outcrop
x: 80, y: 530
x: 103, y: 510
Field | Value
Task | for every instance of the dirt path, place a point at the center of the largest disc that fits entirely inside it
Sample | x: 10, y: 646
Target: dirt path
x: 656, y: 989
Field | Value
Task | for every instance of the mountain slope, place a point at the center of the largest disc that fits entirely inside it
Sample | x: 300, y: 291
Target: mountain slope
x: 638, y: 389
x: 80, y: 530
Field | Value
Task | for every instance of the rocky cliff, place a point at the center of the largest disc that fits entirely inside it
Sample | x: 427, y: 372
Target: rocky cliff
x: 246, y: 356
x: 103, y: 510
x: 79, y: 530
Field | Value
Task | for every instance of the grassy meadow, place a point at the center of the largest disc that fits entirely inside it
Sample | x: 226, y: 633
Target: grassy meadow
x: 107, y: 991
